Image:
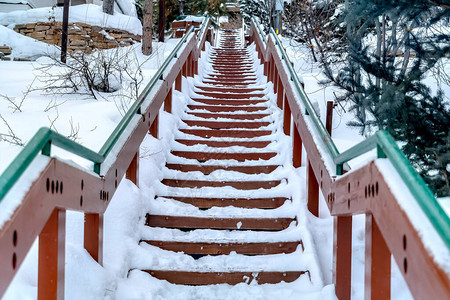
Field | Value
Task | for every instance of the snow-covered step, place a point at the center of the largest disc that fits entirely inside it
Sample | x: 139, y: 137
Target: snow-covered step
x: 206, y: 133
x: 209, y: 202
x: 208, y: 169
x: 236, y: 223
x: 220, y: 248
x: 227, y: 116
x: 240, y: 185
x: 204, y: 156
x: 228, y: 102
x: 216, y: 108
x: 233, y: 278
x: 222, y: 144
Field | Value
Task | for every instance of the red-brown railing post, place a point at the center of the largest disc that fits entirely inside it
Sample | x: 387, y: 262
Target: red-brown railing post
x: 377, y: 263
x: 342, y: 257
x: 280, y: 93
x: 52, y: 243
x: 313, y: 191
x: 154, y: 127
x: 188, y: 66
x: 93, y: 236
x: 269, y: 70
x: 297, y: 145
x: 275, y: 78
x: 272, y: 70
x: 168, y: 102
x: 287, y: 116
x: 133, y: 170
x: 184, y: 69
x: 178, y: 81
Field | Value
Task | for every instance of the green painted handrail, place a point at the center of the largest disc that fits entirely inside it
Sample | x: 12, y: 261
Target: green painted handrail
x: 263, y: 36
x: 387, y: 147
x: 416, y: 185
x: 325, y: 136
x: 45, y: 137
x: 136, y: 107
x: 41, y: 141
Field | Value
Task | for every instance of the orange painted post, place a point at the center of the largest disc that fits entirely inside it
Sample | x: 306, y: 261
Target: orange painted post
x: 154, y: 127
x: 377, y: 263
x: 280, y: 93
x: 178, y: 81
x: 93, y: 236
x: 313, y: 191
x: 133, y: 170
x: 297, y: 151
x: 188, y: 66
x: 269, y: 70
x: 52, y: 244
x: 272, y: 70
x: 342, y: 257
x: 168, y: 102
x: 287, y: 117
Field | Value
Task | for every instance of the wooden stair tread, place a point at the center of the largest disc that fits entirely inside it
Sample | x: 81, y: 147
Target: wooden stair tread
x: 241, y: 185
x: 232, y: 278
x: 204, y: 156
x: 253, y: 116
x: 206, y: 133
x: 229, y: 102
x: 223, y: 144
x: 237, y: 223
x: 199, y: 248
x: 226, y: 125
x: 208, y: 169
x: 226, y: 90
x: 219, y: 95
x: 213, y: 108
x: 263, y: 203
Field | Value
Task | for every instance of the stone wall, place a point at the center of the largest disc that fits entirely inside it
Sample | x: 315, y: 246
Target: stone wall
x: 82, y: 37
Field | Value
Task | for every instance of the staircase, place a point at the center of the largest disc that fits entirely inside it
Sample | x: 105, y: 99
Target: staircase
x: 226, y: 210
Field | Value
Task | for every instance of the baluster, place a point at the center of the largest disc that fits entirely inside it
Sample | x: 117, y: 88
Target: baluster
x: 52, y: 251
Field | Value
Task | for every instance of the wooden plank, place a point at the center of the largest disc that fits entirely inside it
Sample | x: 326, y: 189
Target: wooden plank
x: 223, y: 144
x: 205, y: 156
x: 229, y: 95
x: 232, y: 278
x: 229, y: 102
x: 227, y: 90
x: 213, y: 108
x: 207, y: 133
x: 240, y: 185
x: 218, y: 223
x: 229, y: 116
x: 208, y: 169
x: 236, y: 202
x: 198, y: 248
x: 226, y: 125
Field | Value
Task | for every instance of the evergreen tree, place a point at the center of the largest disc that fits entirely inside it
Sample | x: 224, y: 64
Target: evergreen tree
x: 259, y: 9
x: 393, y: 45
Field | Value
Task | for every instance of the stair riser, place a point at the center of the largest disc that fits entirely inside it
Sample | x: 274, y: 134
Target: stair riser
x: 215, y: 223
x: 197, y: 278
x: 226, y: 248
x: 207, y: 169
x: 205, y: 203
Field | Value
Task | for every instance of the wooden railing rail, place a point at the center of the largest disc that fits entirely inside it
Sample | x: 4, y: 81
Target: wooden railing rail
x: 402, y: 216
x: 58, y: 186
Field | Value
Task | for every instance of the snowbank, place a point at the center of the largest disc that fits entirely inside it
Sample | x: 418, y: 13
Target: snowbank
x: 23, y: 46
x: 87, y: 13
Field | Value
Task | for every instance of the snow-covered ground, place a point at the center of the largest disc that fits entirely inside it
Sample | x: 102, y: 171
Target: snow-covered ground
x: 94, y: 120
